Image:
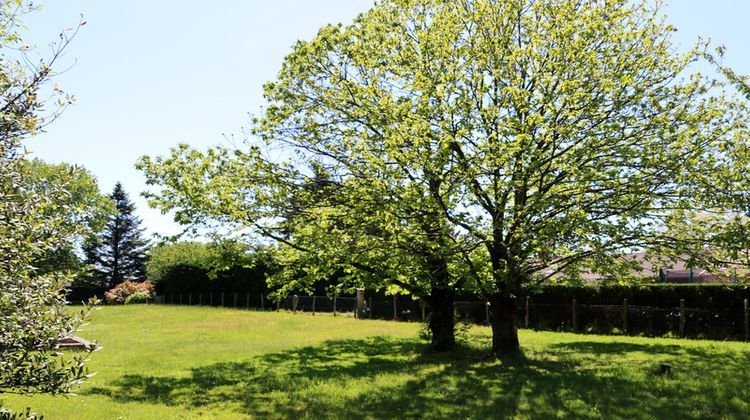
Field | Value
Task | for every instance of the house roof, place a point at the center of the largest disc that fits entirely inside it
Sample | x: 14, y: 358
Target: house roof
x: 673, y: 271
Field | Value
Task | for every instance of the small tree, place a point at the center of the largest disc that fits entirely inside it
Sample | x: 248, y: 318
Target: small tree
x: 33, y: 315
x: 119, y: 252
x: 94, y: 209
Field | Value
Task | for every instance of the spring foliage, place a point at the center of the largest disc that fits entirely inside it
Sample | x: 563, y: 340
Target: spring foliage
x: 515, y: 140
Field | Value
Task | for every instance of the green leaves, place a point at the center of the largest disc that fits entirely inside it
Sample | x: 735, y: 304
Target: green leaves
x: 39, y: 211
x: 510, y: 140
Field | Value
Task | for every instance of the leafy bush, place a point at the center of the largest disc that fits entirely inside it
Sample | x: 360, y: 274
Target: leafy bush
x: 194, y: 267
x: 35, y: 217
x: 120, y: 293
x: 163, y: 258
x: 137, y: 297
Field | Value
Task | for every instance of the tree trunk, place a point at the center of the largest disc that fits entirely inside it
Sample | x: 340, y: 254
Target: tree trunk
x: 441, y: 323
x: 503, y: 320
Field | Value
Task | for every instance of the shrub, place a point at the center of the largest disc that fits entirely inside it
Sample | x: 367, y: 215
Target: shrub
x: 137, y: 297
x: 224, y: 266
x: 120, y: 293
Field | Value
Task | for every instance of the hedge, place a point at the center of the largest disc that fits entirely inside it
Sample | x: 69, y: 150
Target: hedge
x: 191, y: 279
x: 711, y: 311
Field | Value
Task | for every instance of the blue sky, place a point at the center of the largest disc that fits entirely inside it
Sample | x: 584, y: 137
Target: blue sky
x: 150, y: 74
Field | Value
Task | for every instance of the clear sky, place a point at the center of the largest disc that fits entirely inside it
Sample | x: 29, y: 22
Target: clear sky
x: 149, y: 74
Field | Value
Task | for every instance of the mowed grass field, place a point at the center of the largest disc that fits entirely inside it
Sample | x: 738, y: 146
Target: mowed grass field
x: 162, y: 362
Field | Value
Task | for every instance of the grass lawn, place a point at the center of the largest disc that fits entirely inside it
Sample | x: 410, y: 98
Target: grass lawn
x: 167, y: 362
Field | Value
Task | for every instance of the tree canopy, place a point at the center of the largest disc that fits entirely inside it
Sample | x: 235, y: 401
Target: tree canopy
x: 92, y: 209
x: 513, y: 140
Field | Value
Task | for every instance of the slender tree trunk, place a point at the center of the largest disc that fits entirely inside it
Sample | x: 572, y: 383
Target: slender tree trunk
x: 441, y: 322
x: 503, y: 320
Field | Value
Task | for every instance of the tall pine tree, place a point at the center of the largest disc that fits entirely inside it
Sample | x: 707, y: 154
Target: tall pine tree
x: 119, y: 253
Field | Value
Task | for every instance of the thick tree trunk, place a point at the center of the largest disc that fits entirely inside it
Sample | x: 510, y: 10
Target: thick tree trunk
x: 503, y: 320
x: 441, y: 322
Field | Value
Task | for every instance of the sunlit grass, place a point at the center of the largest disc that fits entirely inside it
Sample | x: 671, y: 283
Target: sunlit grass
x: 178, y: 362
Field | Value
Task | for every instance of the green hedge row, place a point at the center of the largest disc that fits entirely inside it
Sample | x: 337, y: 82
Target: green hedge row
x: 712, y: 311
x: 191, y: 279
x: 704, y: 295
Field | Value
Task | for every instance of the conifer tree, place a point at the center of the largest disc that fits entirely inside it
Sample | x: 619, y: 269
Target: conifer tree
x: 119, y: 253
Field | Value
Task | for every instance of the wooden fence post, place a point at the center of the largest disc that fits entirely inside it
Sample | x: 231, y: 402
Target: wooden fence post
x: 200, y: 299
x: 278, y: 304
x: 295, y: 301
x: 526, y: 316
x: 222, y: 299
x: 575, y: 314
x: 423, y: 309
x: 360, y: 311
x: 262, y: 303
x: 395, y: 309
x: 236, y: 296
x: 625, y: 315
x: 190, y: 299
x: 334, y: 303
x: 682, y: 317
x: 747, y: 321
x: 211, y: 299
x: 313, y: 308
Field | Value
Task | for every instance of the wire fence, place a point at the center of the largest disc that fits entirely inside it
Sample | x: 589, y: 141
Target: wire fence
x: 680, y: 320
x: 399, y: 309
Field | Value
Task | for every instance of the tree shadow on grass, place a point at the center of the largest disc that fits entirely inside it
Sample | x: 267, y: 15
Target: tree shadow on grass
x: 382, y: 377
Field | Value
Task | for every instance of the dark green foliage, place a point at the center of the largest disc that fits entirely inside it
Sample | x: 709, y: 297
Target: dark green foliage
x: 712, y: 311
x: 61, y: 259
x: 192, y: 279
x: 649, y: 295
x: 119, y: 253
x: 193, y: 267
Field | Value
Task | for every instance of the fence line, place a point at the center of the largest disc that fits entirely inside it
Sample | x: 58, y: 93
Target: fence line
x: 628, y: 318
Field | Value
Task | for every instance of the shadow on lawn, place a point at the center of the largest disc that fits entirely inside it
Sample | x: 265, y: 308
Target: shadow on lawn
x: 336, y: 380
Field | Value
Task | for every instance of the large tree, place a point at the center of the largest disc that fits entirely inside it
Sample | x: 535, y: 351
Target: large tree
x: 119, y: 252
x: 539, y: 136
x: 33, y: 313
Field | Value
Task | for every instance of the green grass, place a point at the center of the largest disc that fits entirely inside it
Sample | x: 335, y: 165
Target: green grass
x: 178, y: 362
